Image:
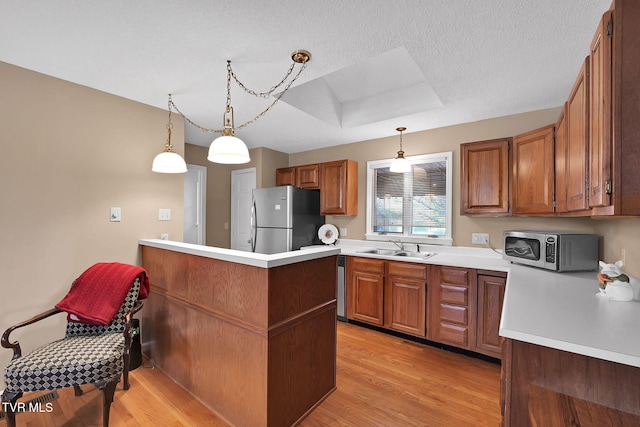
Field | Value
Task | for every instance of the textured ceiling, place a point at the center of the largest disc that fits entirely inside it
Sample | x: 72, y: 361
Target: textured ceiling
x: 466, y: 60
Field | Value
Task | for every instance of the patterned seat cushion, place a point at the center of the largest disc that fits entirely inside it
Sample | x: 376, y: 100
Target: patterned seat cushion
x: 116, y: 325
x: 75, y: 360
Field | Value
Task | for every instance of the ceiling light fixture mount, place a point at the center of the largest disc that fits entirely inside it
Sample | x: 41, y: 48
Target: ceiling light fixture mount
x: 228, y: 148
x: 169, y: 161
x: 400, y: 164
x: 301, y: 56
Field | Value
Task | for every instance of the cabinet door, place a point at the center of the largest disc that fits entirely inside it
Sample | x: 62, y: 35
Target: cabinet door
x: 533, y: 172
x: 308, y: 176
x: 600, y: 115
x: 485, y: 177
x: 577, y: 141
x: 339, y: 188
x: 561, y: 161
x: 286, y: 176
x: 406, y: 298
x: 365, y: 290
x: 490, y: 298
x: 406, y: 305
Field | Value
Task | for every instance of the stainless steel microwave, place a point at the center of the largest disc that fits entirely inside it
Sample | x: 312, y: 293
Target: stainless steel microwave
x: 552, y: 250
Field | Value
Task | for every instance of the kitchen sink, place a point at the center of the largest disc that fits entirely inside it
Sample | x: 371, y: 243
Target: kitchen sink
x: 422, y: 255
x: 399, y: 253
x: 379, y: 251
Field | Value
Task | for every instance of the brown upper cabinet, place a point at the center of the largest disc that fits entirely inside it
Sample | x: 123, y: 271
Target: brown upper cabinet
x: 576, y: 158
x: 485, y: 177
x: 533, y: 172
x: 339, y: 188
x: 600, y: 114
x: 308, y: 176
x: 286, y: 176
x: 615, y: 111
x: 596, y: 150
x: 337, y: 182
x: 561, y: 161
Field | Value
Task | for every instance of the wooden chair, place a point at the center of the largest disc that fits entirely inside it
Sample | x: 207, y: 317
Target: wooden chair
x: 88, y: 354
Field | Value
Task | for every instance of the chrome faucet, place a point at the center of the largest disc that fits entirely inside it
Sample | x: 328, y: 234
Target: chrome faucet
x: 399, y: 244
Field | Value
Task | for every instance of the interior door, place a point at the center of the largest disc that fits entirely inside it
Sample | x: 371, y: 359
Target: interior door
x: 195, y: 205
x: 243, y: 181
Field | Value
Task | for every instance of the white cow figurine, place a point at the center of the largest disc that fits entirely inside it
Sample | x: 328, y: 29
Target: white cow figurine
x: 614, y: 283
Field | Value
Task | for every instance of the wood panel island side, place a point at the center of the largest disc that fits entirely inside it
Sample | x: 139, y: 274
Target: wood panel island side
x: 252, y: 336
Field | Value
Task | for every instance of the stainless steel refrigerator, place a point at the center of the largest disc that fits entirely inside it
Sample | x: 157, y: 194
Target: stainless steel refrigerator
x: 284, y: 219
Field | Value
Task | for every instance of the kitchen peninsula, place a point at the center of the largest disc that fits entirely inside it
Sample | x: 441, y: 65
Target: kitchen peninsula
x: 252, y: 336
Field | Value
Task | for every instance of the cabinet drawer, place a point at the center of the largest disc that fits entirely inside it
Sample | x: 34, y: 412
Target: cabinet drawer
x: 367, y: 264
x: 405, y: 269
x: 454, y: 334
x: 454, y: 314
x: 455, y: 276
x: 454, y: 294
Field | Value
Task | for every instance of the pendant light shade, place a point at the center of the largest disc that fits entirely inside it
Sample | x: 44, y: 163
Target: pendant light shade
x: 229, y: 150
x: 169, y: 162
x: 400, y: 164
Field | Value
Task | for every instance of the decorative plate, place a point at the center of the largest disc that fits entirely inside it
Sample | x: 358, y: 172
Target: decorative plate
x: 328, y: 234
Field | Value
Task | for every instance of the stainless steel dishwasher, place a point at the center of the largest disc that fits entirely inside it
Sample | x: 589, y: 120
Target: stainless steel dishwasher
x: 342, y: 290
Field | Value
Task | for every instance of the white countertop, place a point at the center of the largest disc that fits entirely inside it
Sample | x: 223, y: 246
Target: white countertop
x: 557, y: 310
x: 242, y: 257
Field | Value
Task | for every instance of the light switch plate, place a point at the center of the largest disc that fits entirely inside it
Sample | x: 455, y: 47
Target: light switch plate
x: 116, y: 215
x: 164, y: 214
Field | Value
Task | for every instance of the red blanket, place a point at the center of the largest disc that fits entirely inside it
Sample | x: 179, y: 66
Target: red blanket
x: 96, y: 296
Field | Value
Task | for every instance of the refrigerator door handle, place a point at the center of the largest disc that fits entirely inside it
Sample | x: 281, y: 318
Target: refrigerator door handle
x: 253, y: 227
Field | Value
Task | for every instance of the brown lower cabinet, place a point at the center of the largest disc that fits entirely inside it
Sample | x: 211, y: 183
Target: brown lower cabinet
x: 452, y: 313
x: 457, y: 306
x: 491, y: 287
x: 406, y: 298
x: 365, y: 290
x: 387, y: 294
x: 542, y: 386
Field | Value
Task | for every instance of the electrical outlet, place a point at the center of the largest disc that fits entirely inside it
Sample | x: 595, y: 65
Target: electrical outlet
x: 480, y: 238
x: 343, y: 232
x: 164, y: 236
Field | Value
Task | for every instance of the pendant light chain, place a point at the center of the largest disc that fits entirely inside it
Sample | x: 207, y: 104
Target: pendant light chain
x: 265, y: 95
x: 276, y: 100
x: 168, y: 145
x: 261, y: 94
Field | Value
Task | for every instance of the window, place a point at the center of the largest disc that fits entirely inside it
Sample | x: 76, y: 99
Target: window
x: 413, y: 206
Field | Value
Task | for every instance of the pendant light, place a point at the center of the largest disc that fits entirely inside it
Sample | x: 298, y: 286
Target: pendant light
x: 169, y: 161
x: 228, y: 148
x: 400, y: 164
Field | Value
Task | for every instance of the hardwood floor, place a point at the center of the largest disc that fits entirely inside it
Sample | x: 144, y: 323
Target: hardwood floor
x: 382, y: 381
